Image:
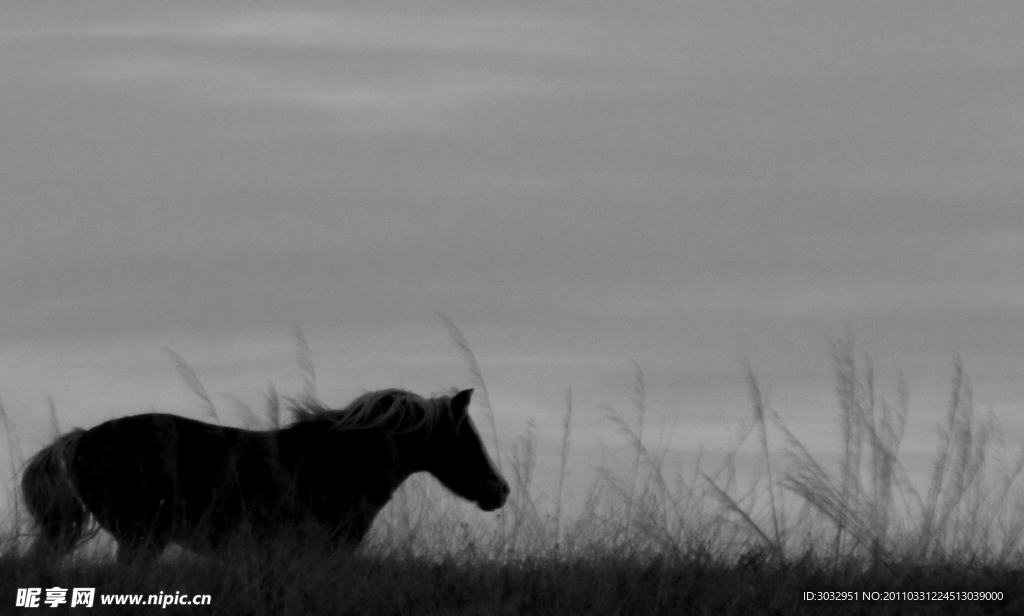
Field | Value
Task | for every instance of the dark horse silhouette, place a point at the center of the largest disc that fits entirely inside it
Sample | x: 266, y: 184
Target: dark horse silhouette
x: 154, y: 479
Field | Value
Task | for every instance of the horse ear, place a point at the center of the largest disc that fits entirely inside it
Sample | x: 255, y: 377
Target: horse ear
x: 460, y: 402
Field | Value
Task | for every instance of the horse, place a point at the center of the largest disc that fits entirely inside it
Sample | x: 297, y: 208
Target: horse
x: 155, y: 479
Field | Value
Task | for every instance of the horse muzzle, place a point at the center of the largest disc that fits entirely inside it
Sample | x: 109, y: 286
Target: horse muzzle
x: 495, y: 496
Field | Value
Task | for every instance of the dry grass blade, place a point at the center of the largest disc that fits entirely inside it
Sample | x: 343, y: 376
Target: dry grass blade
x: 189, y: 376
x: 827, y: 501
x: 11, y: 438
x: 527, y: 521
x: 54, y: 422
x: 760, y: 405
x: 730, y: 504
x: 563, y: 464
x: 477, y: 379
x: 250, y: 420
x: 273, y: 402
x: 305, y: 360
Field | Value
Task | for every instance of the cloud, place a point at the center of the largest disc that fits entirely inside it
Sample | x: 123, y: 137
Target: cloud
x: 385, y: 103
x: 411, y: 72
x: 497, y: 32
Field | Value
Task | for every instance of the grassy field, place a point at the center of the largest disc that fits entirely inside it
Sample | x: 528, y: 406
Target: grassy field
x: 650, y: 539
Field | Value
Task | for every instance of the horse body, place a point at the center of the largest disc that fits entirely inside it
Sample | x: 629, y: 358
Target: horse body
x: 155, y: 479
x: 193, y: 483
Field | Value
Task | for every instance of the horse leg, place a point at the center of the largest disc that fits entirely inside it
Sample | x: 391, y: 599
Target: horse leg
x: 349, y: 535
x: 51, y: 548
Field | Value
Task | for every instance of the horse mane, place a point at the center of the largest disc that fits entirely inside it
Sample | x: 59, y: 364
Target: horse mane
x: 393, y: 410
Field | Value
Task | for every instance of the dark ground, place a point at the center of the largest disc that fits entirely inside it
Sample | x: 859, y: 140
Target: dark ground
x: 368, y: 584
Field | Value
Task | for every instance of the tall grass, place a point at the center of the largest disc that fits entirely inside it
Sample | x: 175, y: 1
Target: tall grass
x: 803, y: 516
x: 868, y: 509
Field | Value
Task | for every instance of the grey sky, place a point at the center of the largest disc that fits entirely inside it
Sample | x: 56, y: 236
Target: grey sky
x: 575, y: 183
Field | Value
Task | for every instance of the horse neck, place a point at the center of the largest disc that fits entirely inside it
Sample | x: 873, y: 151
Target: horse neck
x: 412, y: 448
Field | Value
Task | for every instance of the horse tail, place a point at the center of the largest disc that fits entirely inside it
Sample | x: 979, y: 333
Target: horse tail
x: 51, y: 498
